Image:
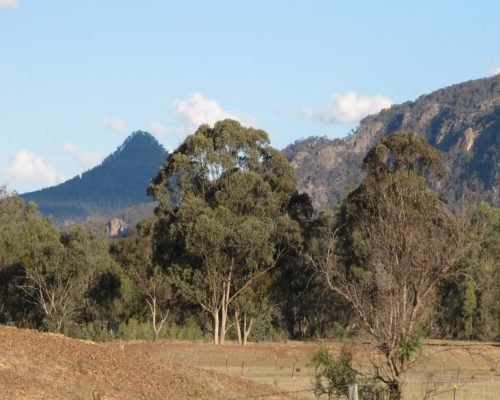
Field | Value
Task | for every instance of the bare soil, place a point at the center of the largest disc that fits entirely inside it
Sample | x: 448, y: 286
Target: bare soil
x: 36, y: 365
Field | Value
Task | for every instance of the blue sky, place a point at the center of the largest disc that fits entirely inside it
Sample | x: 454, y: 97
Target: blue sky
x: 76, y: 77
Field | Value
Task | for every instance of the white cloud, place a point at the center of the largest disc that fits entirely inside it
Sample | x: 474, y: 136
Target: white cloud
x: 165, y: 132
x: 115, y: 124
x: 158, y: 129
x: 348, y: 108
x: 86, y: 160
x: 9, y: 4
x: 27, y: 167
x: 196, y: 109
x: 190, y: 113
x: 495, y: 71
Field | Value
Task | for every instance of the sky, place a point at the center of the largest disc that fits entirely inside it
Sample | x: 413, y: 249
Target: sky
x: 77, y: 77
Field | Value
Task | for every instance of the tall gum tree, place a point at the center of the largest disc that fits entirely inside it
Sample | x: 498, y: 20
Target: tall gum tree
x: 393, y: 242
x: 134, y: 254
x: 221, y: 219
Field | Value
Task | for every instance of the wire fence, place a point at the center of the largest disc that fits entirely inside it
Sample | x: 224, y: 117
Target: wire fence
x: 286, y: 384
x: 455, y: 391
x: 290, y: 374
x: 270, y: 394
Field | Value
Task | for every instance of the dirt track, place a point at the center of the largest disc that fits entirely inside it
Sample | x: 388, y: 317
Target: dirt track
x: 37, y: 365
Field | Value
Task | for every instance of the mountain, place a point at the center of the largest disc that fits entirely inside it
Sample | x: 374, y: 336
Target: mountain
x: 119, y: 182
x: 463, y: 121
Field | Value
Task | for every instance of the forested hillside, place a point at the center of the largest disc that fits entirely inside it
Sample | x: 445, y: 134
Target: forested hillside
x: 463, y: 121
x: 120, y: 181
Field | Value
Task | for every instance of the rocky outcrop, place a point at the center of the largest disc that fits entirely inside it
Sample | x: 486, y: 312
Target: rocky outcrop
x: 463, y: 121
x: 116, y: 227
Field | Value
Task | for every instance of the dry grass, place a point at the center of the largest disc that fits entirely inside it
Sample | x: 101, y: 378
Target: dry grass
x: 477, y: 364
x: 47, y: 366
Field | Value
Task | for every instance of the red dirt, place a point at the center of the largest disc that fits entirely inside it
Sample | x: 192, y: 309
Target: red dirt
x: 36, y: 365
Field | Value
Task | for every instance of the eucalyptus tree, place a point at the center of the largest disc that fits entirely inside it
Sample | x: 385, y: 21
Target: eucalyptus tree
x: 30, y: 247
x: 134, y: 254
x: 221, y: 218
x: 394, y: 241
x: 13, y: 215
x: 249, y: 305
x: 60, y: 270
x: 470, y: 303
x: 45, y: 275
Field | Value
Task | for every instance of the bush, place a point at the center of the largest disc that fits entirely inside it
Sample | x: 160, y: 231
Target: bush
x: 332, y: 375
x: 96, y: 331
x: 374, y: 392
x: 136, y: 330
x: 190, y: 330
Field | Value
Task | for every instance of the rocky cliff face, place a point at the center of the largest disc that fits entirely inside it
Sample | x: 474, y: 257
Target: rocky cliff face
x: 116, y: 227
x: 463, y: 121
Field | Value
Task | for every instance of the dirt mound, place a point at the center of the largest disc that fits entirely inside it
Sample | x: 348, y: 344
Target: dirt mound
x: 36, y: 365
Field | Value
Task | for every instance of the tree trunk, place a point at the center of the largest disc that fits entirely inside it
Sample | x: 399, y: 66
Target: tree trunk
x: 247, y: 329
x: 395, y: 391
x: 59, y: 324
x: 215, y: 316
x: 226, y: 290
x: 223, y: 322
x: 238, y: 327
x: 153, y: 315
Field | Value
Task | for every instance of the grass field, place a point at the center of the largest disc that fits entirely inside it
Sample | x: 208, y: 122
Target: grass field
x: 450, y: 370
x: 36, y: 365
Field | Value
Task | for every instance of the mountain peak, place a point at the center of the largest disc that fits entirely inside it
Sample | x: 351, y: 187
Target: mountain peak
x: 140, y: 138
x: 136, y: 145
x: 120, y: 181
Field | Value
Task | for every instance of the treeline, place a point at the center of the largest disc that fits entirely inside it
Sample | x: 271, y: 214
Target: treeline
x: 234, y: 252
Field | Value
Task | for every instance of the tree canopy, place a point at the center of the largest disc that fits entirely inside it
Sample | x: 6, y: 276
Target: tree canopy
x: 222, y: 221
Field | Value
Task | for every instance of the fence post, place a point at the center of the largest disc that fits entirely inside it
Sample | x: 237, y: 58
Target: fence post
x: 455, y: 386
x: 353, y: 392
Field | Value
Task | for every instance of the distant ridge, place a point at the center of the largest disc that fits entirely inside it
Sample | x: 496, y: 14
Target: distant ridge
x: 120, y: 181
x: 462, y: 120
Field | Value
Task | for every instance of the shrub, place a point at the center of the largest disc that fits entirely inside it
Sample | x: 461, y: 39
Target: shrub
x: 332, y: 375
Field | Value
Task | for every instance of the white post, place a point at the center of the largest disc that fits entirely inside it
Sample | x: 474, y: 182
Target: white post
x: 353, y: 392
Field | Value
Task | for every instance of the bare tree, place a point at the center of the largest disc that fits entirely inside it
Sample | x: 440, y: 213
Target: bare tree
x: 157, y: 293
x: 393, y: 243
x: 60, y: 293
